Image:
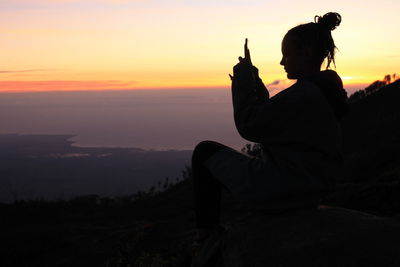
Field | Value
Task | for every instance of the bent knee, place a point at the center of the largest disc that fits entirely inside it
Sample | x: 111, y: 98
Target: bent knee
x: 204, y: 150
x: 208, y: 143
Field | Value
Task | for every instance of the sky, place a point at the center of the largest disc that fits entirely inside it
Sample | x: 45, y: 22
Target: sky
x: 52, y: 45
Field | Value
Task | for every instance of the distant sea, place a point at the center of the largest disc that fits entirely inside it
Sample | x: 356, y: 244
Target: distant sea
x: 149, y: 119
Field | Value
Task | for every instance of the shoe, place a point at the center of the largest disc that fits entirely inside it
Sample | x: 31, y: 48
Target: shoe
x: 208, y: 251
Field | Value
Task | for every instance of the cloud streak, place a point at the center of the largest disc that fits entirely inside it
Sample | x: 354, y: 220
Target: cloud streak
x: 22, y: 71
x: 278, y: 85
x: 43, y: 86
x: 52, y: 3
x: 69, y: 1
x: 276, y: 82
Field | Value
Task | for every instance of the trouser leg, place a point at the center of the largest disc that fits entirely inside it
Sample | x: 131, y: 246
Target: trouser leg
x: 207, y: 189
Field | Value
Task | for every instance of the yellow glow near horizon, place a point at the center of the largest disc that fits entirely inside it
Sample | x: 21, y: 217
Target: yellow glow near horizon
x: 106, y: 44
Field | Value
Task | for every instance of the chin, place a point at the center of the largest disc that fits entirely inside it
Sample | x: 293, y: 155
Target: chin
x: 291, y: 76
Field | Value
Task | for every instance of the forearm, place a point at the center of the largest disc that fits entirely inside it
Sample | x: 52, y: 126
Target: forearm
x: 246, y: 77
x: 250, y: 112
x: 261, y: 91
x: 243, y: 95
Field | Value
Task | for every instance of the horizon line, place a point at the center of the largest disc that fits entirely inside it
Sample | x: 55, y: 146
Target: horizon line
x: 97, y: 87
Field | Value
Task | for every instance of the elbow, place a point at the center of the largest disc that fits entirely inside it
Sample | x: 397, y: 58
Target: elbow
x: 248, y: 134
x: 245, y: 129
x: 248, y: 126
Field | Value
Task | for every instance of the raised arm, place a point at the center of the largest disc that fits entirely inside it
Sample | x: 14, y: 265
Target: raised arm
x: 245, y: 63
x: 258, y: 117
x: 251, y: 107
x: 248, y: 94
x: 260, y: 120
x: 260, y: 90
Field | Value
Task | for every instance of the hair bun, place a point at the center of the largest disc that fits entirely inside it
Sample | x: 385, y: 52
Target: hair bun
x: 329, y: 21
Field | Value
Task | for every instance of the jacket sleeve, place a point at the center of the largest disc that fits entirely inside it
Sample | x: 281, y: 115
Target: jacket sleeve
x: 258, y: 117
x: 259, y: 87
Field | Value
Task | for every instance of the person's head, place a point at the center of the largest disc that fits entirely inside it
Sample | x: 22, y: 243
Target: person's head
x: 305, y: 47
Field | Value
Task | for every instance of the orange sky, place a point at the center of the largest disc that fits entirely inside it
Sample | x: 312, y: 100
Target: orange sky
x: 51, y: 45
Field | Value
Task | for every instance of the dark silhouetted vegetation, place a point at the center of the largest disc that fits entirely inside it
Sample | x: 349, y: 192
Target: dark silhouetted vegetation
x: 254, y: 149
x: 373, y: 87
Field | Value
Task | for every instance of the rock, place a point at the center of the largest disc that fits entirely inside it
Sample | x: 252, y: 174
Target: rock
x: 326, y: 236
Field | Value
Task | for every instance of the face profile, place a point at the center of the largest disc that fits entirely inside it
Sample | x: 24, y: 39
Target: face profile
x: 289, y: 60
x: 297, y: 61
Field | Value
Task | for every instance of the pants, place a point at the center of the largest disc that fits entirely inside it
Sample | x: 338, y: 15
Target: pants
x: 207, y: 189
x: 254, y: 182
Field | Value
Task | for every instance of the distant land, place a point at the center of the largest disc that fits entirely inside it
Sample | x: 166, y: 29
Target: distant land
x: 51, y: 167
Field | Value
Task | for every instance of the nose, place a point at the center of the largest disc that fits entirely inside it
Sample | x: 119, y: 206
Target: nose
x: 282, y: 61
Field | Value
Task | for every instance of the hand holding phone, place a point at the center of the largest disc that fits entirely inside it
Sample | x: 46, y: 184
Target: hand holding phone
x: 245, y: 63
x: 247, y: 53
x: 247, y: 58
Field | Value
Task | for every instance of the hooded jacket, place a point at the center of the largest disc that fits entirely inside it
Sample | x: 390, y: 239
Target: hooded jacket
x: 298, y: 128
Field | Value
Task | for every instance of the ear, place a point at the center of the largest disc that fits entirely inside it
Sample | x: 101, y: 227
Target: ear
x: 309, y: 52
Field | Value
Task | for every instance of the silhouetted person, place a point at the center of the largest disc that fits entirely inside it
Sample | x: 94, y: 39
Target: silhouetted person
x: 298, y: 130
